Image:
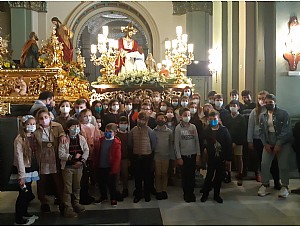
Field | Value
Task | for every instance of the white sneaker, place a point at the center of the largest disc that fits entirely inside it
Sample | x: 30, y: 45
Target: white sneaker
x: 263, y: 191
x: 284, y: 192
x: 31, y: 217
x: 26, y: 222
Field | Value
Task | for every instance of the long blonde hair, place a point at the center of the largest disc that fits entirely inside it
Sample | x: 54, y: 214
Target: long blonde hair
x: 26, y: 145
x: 258, y: 107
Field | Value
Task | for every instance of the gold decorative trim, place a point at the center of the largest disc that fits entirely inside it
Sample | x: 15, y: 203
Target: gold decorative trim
x: 180, y: 8
x: 4, y: 108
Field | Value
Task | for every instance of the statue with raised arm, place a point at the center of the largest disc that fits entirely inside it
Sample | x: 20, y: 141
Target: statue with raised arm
x: 30, y: 52
x: 64, y: 35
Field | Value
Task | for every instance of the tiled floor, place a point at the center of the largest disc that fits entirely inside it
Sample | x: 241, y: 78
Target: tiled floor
x: 241, y: 206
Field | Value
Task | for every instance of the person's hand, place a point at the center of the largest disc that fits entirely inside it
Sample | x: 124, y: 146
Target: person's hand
x: 21, y: 181
x: 277, y: 149
x: 77, y: 165
x: 180, y: 162
x: 250, y: 146
x: 63, y: 139
x: 77, y: 156
x: 198, y: 160
x: 268, y: 148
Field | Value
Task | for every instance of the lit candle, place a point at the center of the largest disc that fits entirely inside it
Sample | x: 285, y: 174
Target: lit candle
x: 184, y: 38
x: 101, y: 38
x: 105, y: 30
x: 168, y: 45
x: 111, y: 43
x: 93, y: 49
x: 178, y: 30
x: 116, y: 44
x: 174, y: 43
x: 190, y: 48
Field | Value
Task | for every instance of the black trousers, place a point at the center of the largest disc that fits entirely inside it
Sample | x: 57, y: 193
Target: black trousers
x: 214, y: 175
x: 274, y: 170
x: 87, y: 173
x: 22, y: 202
x: 106, y: 180
x: 188, y: 174
x: 143, y: 171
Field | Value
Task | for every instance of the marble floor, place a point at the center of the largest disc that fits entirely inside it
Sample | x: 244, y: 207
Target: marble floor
x: 241, y: 206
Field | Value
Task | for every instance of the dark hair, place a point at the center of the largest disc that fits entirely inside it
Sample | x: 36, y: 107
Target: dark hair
x: 84, y: 111
x: 80, y: 101
x: 271, y: 96
x: 234, y: 92
x: 63, y: 101
x: 182, y: 110
x: 111, y: 126
x: 112, y: 101
x: 211, y: 93
x: 123, y: 118
x: 234, y: 102
x: 41, y: 110
x: 128, y: 100
x: 143, y: 116
x: 56, y: 19
x: 72, y: 121
x: 46, y: 95
x: 218, y: 96
x: 246, y: 93
x: 161, y: 114
x: 213, y: 113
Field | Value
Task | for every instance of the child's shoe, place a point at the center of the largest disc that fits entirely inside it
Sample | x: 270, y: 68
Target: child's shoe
x: 113, y: 203
x: 218, y: 199
x: 164, y: 195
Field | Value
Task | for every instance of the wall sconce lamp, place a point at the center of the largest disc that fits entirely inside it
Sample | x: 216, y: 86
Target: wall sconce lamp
x: 215, y: 61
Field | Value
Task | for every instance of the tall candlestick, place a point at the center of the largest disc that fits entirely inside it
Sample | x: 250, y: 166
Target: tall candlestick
x: 178, y: 30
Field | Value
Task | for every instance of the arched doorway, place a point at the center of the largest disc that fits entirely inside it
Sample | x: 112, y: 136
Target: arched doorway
x: 87, y: 20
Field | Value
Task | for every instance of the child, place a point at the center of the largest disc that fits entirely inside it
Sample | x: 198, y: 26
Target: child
x: 73, y: 155
x: 122, y: 134
x: 142, y: 142
x: 187, y: 151
x: 217, y: 142
x: 163, y: 152
x: 25, y: 148
x: 79, y: 105
x: 237, y: 128
x: 48, y: 135
x: 64, y: 116
x: 107, y: 163
x: 92, y: 135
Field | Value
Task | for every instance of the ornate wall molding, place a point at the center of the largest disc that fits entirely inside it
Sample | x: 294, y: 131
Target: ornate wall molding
x: 180, y: 8
x: 40, y: 6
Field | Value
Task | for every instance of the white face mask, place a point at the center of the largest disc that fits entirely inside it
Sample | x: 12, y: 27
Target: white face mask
x: 196, y: 101
x: 115, y: 107
x: 163, y: 108
x: 186, y: 119
x: 123, y: 127
x: 99, y: 125
x: 30, y: 128
x: 233, y: 109
x: 128, y: 107
x: 184, y: 104
x: 219, y: 103
x: 170, y: 115
x: 193, y: 110
x: 105, y: 107
x: 187, y: 93
x: 65, y: 109
x: 211, y: 101
x: 156, y: 99
x: 74, y: 131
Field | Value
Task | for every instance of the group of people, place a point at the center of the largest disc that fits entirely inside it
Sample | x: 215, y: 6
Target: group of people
x: 78, y: 145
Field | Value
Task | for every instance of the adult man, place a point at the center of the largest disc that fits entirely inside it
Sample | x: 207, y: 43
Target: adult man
x: 64, y: 35
x: 45, y: 99
x: 126, y: 45
x: 30, y: 52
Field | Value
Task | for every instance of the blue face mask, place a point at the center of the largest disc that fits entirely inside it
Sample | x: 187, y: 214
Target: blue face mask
x: 213, y: 123
x: 108, y: 135
x: 98, y: 109
x: 49, y: 107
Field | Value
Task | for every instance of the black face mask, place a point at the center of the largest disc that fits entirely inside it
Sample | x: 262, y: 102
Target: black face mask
x: 161, y: 123
x: 206, y: 113
x: 49, y: 107
x: 136, y: 106
x: 270, y: 106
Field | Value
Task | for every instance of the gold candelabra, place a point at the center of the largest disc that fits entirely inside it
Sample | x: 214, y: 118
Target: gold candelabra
x: 108, y: 49
x: 180, y: 53
x: 53, y: 51
x: 3, y: 50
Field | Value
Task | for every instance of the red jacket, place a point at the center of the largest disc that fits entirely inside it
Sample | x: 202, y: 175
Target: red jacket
x: 115, y: 155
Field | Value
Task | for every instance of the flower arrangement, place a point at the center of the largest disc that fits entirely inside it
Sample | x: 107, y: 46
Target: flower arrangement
x: 74, y: 69
x: 141, y: 78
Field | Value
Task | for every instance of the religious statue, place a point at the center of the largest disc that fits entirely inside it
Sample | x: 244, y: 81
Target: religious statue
x: 135, y: 61
x: 150, y: 63
x: 164, y: 71
x: 21, y: 86
x: 30, y: 52
x: 64, y: 35
x: 292, y: 56
x: 126, y: 45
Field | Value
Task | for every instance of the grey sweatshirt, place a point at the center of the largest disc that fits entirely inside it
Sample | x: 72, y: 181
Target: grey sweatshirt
x: 186, y: 140
x: 165, y: 143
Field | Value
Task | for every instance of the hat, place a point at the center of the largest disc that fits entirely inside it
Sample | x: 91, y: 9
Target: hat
x: 26, y: 118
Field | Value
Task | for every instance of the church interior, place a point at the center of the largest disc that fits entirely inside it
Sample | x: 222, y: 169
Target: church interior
x: 167, y: 46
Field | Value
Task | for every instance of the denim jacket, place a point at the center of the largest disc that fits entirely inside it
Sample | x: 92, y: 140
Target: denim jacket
x: 282, y: 126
